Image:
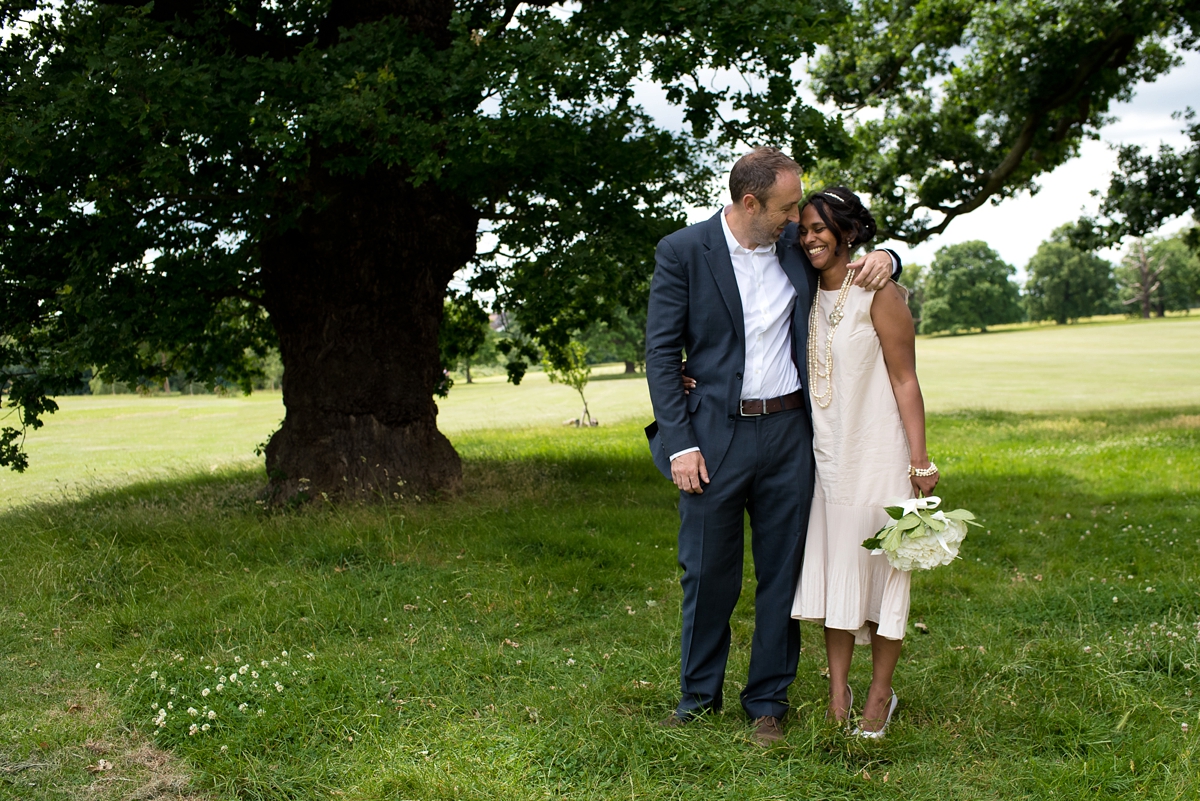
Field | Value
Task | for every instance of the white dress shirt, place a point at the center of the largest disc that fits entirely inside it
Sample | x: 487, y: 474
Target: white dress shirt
x: 768, y: 298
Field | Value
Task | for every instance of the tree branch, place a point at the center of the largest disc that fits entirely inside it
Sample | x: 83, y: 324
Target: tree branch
x: 1113, y: 51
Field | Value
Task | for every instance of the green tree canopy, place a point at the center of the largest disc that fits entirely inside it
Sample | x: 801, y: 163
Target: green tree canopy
x: 980, y: 98
x: 1146, y: 191
x: 1065, y: 283
x: 206, y: 180
x: 620, y: 339
x: 969, y: 286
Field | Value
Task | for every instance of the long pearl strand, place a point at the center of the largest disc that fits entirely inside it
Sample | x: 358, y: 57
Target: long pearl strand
x: 815, y: 369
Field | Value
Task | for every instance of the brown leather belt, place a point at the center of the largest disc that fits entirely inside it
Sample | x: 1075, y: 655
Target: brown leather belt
x: 757, y: 408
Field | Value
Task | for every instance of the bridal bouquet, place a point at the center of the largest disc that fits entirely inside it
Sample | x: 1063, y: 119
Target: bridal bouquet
x: 919, y: 538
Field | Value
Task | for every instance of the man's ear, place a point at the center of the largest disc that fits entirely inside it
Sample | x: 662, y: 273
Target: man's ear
x: 750, y: 204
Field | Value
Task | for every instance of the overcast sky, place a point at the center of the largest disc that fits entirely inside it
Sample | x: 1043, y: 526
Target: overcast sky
x: 1017, y: 226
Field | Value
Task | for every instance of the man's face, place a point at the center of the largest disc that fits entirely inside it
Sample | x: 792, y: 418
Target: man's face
x: 780, y: 206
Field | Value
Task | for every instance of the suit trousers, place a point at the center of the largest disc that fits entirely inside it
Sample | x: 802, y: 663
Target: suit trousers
x: 768, y: 472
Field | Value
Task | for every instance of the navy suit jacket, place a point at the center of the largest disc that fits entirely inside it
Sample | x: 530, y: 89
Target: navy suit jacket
x: 695, y: 307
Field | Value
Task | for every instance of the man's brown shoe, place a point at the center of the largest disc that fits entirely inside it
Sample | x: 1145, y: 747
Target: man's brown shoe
x: 767, y: 731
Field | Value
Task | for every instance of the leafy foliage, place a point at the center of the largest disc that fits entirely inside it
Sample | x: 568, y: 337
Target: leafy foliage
x: 969, y: 286
x: 974, y: 100
x: 621, y: 339
x: 149, y: 153
x: 1065, y: 283
x: 1145, y: 191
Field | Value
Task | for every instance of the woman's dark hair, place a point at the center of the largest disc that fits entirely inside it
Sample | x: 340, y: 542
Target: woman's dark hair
x: 844, y: 213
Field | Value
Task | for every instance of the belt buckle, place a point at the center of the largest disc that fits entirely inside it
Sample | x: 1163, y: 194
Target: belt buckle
x: 742, y: 408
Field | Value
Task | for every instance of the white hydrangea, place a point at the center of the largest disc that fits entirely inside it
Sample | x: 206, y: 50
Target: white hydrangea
x: 911, y: 540
x: 930, y: 551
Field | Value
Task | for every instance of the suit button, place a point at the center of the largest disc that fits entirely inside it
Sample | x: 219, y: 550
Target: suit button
x: 739, y: 376
x: 731, y: 418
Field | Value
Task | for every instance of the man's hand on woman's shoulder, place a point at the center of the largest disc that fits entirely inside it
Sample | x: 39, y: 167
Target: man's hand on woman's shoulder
x: 874, y: 270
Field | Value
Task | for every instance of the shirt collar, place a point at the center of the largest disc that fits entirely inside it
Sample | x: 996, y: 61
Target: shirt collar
x: 735, y: 247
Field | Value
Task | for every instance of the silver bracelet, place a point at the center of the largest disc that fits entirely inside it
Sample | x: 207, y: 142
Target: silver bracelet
x: 922, y: 472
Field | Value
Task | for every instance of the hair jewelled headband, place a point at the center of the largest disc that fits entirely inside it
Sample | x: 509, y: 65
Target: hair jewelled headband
x: 832, y: 196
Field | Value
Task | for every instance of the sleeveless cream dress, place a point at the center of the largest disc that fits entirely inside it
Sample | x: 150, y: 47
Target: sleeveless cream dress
x: 862, y: 465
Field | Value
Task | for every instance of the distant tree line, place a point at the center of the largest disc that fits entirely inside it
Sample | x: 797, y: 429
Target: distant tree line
x: 969, y: 287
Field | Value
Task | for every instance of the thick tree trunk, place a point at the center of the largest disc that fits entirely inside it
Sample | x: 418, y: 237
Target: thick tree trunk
x: 355, y: 294
x: 630, y: 367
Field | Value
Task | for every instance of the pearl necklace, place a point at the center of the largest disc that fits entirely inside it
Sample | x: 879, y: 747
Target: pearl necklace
x: 817, y: 370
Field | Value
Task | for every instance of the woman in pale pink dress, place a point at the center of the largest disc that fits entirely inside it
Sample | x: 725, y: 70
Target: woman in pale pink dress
x: 869, y: 443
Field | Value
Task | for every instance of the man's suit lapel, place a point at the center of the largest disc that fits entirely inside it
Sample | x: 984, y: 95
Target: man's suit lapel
x: 722, y: 270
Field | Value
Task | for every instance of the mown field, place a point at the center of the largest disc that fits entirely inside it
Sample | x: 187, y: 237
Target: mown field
x: 519, y: 641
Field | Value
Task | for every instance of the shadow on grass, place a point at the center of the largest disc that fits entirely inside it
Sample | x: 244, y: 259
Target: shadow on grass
x: 520, y: 638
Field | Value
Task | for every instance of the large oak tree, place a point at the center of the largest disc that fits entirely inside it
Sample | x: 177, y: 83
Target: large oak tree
x: 187, y: 183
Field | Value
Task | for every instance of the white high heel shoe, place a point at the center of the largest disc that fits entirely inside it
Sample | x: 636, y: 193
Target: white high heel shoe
x: 878, y: 735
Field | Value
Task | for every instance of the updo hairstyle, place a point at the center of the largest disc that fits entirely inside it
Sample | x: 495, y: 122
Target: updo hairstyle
x: 843, y: 213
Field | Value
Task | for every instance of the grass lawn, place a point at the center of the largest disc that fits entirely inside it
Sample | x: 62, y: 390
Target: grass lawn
x: 519, y: 641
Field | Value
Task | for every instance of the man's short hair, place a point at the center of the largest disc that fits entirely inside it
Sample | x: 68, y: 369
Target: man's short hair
x: 756, y: 172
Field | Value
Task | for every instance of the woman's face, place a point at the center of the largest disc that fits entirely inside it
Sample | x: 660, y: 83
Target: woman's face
x: 819, y: 241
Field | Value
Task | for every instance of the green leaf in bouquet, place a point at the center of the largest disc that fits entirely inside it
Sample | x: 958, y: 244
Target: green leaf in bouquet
x: 891, y: 541
x: 872, y: 544
x: 895, y: 512
x: 932, y: 522
x: 907, y: 522
x: 964, y: 516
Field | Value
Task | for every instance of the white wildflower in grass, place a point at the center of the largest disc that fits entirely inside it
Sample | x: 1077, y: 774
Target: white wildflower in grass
x: 236, y: 659
x: 192, y: 730
x: 264, y: 663
x: 192, y: 711
x: 154, y: 705
x: 242, y: 670
x: 224, y: 748
x: 205, y: 692
x: 254, y: 674
x: 220, y: 687
x: 172, y: 691
x: 212, y: 714
x: 205, y: 727
x: 260, y: 713
x: 223, y: 679
x: 283, y: 654
x: 278, y: 687
x: 154, y: 674
x: 170, y: 704
x: 309, y: 657
x: 242, y: 707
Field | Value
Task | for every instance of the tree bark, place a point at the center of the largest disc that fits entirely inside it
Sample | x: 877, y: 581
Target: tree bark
x: 355, y: 293
x: 630, y: 367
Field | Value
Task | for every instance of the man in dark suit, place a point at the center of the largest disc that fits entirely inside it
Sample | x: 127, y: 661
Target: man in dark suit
x: 734, y: 293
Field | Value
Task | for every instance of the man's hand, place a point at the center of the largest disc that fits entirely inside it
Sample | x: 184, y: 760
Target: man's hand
x: 688, y: 471
x: 874, y: 270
